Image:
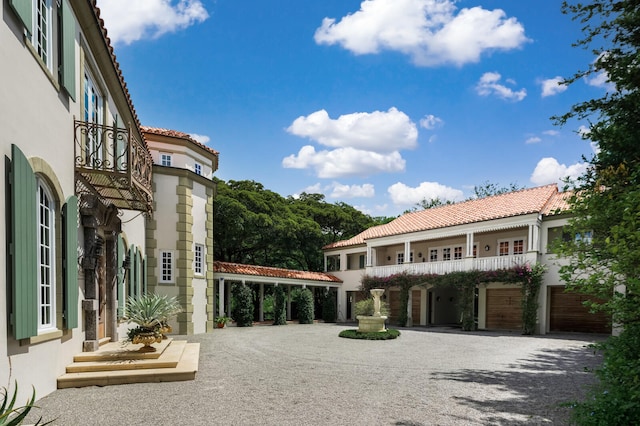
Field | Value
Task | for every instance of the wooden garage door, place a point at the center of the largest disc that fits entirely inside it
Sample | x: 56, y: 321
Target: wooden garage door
x: 503, y: 309
x: 415, y: 306
x: 567, y: 313
x: 394, y: 306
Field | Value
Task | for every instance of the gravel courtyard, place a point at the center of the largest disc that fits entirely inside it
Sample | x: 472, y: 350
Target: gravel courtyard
x: 307, y: 375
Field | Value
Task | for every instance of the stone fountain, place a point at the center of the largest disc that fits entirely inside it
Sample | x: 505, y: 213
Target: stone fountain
x: 375, y: 323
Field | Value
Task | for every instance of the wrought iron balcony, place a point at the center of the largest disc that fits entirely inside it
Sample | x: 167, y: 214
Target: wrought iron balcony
x: 113, y: 164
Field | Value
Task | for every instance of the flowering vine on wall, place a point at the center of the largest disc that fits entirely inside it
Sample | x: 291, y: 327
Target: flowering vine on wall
x: 527, y: 276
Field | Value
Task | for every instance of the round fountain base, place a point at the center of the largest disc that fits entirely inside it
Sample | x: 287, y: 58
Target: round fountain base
x: 367, y: 324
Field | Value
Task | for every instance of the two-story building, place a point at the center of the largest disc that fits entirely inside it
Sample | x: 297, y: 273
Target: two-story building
x: 180, y: 235
x: 76, y: 190
x: 492, y: 233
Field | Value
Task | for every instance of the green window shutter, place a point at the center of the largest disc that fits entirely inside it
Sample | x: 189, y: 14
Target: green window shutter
x: 132, y: 272
x: 68, y: 71
x: 24, y: 258
x: 144, y: 275
x: 24, y: 12
x: 136, y: 283
x: 120, y: 249
x: 70, y: 265
x: 361, y: 261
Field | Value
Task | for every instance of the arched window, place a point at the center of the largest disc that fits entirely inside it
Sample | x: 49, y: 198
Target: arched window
x: 46, y: 238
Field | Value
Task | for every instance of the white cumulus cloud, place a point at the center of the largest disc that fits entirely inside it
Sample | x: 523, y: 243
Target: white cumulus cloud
x: 533, y: 139
x: 128, y: 21
x: 203, y: 139
x: 430, y: 32
x: 402, y: 194
x: 430, y: 122
x: 489, y: 84
x: 339, y: 190
x: 549, y: 170
x: 343, y: 162
x: 552, y: 86
x: 381, y: 131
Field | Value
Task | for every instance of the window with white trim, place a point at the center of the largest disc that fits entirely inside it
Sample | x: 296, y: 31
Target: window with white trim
x: 400, y: 257
x: 197, y: 168
x: 198, y: 255
x: 93, y: 107
x: 445, y: 253
x: 165, y: 160
x: 46, y: 258
x: 511, y: 247
x: 583, y: 237
x: 433, y: 255
x: 166, y: 266
x: 41, y: 33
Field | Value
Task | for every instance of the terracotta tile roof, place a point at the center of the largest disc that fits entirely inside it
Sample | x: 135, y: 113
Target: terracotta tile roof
x: 557, y: 204
x: 266, y: 271
x: 525, y: 201
x: 177, y: 134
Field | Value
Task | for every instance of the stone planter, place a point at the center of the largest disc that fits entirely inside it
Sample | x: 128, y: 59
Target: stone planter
x: 373, y: 324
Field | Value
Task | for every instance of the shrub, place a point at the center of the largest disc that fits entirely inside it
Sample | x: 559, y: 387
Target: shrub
x: 375, y: 335
x: 305, y: 307
x: 615, y: 400
x: 243, y: 307
x: 365, y: 308
x: 328, y: 307
x: 279, y: 309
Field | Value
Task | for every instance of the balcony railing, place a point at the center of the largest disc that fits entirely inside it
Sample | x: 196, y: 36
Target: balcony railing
x: 445, y: 267
x: 113, y: 164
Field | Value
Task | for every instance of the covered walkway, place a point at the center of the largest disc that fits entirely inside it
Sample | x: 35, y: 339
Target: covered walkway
x: 225, y: 273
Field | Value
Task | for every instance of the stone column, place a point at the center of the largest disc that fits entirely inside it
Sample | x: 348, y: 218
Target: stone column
x: 221, y: 311
x: 90, y: 304
x: 261, y: 297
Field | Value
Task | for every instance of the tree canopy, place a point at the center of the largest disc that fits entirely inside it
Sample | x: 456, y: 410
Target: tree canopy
x: 605, y: 255
x: 253, y: 225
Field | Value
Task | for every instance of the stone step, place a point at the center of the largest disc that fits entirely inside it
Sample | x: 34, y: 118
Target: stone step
x: 169, y: 358
x: 122, y: 351
x: 185, y: 369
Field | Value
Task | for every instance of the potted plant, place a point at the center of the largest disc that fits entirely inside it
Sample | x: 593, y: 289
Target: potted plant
x: 150, y: 313
x: 221, y: 321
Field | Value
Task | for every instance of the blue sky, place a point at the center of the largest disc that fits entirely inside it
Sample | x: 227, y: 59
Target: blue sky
x: 376, y: 103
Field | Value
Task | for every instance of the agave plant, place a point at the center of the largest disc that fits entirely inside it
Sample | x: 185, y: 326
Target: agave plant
x: 14, y: 416
x: 151, y: 311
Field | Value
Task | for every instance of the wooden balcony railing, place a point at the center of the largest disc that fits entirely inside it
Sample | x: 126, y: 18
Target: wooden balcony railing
x: 113, y: 164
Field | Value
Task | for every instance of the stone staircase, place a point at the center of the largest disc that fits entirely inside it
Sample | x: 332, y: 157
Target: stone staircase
x: 117, y: 363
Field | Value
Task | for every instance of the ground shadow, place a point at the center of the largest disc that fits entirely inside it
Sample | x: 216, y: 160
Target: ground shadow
x: 539, y: 386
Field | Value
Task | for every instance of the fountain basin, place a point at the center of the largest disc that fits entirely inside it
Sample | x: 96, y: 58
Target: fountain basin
x: 373, y: 324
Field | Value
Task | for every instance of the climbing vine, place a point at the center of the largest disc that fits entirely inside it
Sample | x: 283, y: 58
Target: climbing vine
x: 530, y: 279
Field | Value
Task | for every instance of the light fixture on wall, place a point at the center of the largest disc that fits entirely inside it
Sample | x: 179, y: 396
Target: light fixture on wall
x: 487, y: 247
x: 388, y: 257
x: 420, y: 254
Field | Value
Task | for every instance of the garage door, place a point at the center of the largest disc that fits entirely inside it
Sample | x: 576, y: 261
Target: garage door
x: 567, y: 313
x: 503, y: 309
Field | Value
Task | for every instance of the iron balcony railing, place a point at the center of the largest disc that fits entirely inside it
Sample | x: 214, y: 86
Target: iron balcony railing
x: 112, y: 163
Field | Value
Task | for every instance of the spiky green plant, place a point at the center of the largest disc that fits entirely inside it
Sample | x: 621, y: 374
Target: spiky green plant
x: 14, y: 416
x: 150, y: 311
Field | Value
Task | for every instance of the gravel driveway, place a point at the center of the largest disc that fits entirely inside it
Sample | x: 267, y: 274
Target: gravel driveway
x: 307, y: 375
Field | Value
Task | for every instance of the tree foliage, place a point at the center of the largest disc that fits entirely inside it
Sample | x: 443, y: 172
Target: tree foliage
x: 279, y: 306
x: 256, y: 226
x: 242, y: 304
x: 305, y: 303
x: 606, y: 202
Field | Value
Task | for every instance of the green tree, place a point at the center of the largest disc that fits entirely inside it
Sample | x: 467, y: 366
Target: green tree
x: 305, y: 306
x: 488, y: 189
x: 279, y: 308
x: 329, y: 306
x: 242, y: 305
x: 605, y: 256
